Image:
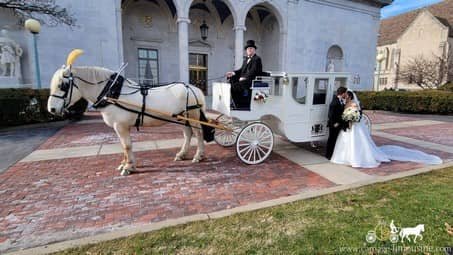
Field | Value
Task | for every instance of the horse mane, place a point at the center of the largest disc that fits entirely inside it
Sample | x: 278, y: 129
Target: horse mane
x: 93, y: 73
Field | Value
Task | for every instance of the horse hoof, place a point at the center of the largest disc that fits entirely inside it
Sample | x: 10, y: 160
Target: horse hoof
x: 179, y: 158
x: 120, y: 167
x: 196, y: 159
x: 125, y: 172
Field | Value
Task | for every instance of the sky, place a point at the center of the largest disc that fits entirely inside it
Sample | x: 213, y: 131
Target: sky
x: 402, y: 6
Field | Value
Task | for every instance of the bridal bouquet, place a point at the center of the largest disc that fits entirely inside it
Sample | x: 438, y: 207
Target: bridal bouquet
x: 351, y: 114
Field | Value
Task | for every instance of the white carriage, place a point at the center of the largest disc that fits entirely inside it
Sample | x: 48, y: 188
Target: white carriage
x: 296, y: 107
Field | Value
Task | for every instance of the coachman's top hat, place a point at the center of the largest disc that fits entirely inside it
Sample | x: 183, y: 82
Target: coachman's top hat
x: 250, y: 43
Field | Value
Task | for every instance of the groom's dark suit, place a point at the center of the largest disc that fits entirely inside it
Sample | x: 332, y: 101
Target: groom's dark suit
x: 336, y: 109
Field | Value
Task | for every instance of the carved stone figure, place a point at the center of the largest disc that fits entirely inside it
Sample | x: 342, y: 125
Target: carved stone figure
x: 331, y: 66
x: 10, y: 54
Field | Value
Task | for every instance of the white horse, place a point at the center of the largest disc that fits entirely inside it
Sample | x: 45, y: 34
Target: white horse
x: 90, y: 81
x: 406, y: 232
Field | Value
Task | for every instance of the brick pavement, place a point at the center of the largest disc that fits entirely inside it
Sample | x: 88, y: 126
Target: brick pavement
x: 76, y: 135
x: 379, y: 117
x: 49, y: 201
x: 440, y: 133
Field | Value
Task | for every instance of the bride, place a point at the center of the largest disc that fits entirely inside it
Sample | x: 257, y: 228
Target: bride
x: 356, y: 148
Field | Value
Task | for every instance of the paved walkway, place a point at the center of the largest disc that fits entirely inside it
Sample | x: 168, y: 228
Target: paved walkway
x: 68, y: 189
x: 18, y: 142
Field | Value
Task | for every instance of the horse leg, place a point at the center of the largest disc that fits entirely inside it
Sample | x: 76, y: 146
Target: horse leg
x: 200, y: 146
x: 128, y: 164
x: 185, y: 147
x: 123, y: 163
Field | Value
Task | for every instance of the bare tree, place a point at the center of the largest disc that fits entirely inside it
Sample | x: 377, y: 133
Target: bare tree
x: 46, y: 11
x: 426, y: 73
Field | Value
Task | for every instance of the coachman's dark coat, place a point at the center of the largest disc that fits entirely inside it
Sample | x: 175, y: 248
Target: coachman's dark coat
x: 241, y: 91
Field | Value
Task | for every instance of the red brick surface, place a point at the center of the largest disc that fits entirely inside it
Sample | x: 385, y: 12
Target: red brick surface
x: 439, y: 133
x: 379, y: 117
x: 82, y: 196
x: 75, y: 135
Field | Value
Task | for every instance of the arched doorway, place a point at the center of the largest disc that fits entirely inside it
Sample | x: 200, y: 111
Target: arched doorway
x: 211, y: 42
x: 263, y: 26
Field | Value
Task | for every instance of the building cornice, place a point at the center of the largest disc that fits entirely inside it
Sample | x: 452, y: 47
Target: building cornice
x: 336, y: 4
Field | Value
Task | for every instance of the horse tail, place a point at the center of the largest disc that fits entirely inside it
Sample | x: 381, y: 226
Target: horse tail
x: 207, y: 131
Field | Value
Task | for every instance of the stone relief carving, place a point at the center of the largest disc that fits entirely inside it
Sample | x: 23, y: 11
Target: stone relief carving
x: 10, y: 54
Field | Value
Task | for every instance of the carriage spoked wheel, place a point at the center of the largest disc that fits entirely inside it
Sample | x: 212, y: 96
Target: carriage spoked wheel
x: 367, y: 121
x: 226, y: 138
x: 254, y: 143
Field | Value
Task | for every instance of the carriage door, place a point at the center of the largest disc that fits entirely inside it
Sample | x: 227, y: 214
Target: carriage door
x: 198, y: 71
x: 319, y: 107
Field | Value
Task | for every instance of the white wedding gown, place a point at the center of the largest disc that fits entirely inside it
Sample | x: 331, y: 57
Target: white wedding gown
x: 355, y: 147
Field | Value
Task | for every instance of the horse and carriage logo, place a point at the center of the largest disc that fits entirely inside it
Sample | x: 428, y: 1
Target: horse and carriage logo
x: 384, y: 232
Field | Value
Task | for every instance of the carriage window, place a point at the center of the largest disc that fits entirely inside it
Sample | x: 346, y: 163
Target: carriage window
x: 299, y: 89
x: 320, y: 91
x: 148, y: 66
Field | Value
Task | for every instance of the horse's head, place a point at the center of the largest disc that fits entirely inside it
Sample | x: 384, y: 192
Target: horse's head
x: 63, y: 92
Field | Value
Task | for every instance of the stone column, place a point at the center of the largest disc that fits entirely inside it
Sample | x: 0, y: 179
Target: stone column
x: 119, y: 32
x: 183, y: 40
x: 283, y: 65
x: 238, y: 46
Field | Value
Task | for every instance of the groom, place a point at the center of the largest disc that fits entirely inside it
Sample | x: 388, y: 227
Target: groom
x: 334, y: 123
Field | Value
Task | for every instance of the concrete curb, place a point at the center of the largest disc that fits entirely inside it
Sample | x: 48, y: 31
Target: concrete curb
x: 131, y: 230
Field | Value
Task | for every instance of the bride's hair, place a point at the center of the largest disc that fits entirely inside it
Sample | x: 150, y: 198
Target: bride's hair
x: 350, y: 94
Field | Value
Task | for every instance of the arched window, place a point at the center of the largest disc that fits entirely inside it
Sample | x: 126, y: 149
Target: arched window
x: 334, y: 59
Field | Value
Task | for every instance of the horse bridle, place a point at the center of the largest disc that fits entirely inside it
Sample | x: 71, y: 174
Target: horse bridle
x: 67, y: 87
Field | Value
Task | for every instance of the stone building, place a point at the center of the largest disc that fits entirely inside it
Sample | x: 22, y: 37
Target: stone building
x: 161, y: 39
x: 426, y: 33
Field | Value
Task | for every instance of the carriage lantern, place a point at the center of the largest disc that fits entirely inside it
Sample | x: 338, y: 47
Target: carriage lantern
x: 204, y: 30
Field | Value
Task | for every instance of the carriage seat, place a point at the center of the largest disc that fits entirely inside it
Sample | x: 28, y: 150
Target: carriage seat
x: 246, y: 107
x: 265, y: 74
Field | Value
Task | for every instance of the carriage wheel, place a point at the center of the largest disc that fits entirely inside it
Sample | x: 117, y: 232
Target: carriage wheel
x: 254, y: 143
x: 226, y: 138
x: 367, y: 121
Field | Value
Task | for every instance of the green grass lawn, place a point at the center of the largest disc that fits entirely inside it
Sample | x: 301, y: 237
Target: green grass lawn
x: 331, y: 224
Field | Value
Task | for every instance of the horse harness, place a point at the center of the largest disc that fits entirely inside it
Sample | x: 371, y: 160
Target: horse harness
x: 113, y: 90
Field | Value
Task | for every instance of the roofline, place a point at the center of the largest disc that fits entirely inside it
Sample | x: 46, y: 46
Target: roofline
x: 378, y: 3
x: 383, y: 2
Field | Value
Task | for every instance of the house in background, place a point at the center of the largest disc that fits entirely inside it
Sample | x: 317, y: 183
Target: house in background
x: 425, y: 32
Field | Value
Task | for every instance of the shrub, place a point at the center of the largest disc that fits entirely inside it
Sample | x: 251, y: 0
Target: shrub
x: 447, y: 87
x: 424, y: 101
x: 25, y: 106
